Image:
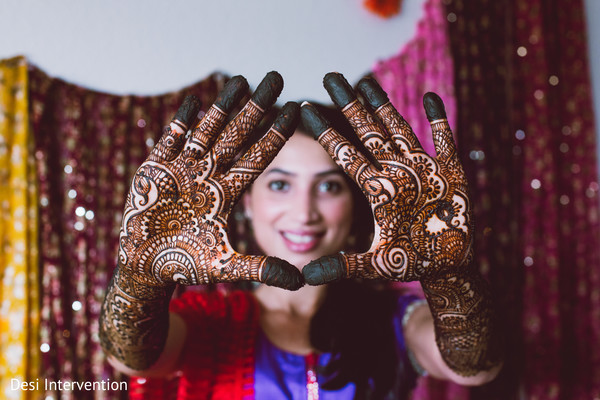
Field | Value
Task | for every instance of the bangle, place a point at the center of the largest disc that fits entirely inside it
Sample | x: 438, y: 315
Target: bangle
x: 407, y: 314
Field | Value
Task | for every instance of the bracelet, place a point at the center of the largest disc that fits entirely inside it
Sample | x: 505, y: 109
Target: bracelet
x: 407, y: 314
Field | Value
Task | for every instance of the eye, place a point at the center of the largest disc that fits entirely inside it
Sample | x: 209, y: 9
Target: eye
x: 279, y: 185
x: 330, y: 187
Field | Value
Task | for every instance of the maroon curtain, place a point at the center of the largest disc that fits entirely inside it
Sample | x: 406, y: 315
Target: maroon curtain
x: 88, y: 146
x: 526, y: 128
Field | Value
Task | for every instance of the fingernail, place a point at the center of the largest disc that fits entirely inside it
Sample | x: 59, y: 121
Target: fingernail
x: 188, y: 110
x: 339, y: 89
x: 287, y: 120
x: 268, y: 90
x: 324, y: 270
x: 313, y: 120
x: 232, y: 92
x: 280, y: 273
x: 372, y: 92
x: 434, y: 106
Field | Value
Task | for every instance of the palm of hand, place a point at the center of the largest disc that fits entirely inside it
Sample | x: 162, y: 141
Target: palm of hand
x: 420, y: 204
x: 174, y: 226
x: 421, y: 210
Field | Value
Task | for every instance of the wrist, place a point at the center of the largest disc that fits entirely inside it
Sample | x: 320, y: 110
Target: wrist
x: 466, y: 328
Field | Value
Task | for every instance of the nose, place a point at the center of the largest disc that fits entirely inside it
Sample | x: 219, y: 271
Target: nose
x: 305, y: 207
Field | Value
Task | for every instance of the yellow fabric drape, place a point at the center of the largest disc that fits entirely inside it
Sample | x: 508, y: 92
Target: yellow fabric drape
x: 19, y: 280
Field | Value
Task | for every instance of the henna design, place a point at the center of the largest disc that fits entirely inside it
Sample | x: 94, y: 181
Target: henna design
x: 174, y: 227
x: 420, y: 203
x: 423, y: 222
x: 465, y: 327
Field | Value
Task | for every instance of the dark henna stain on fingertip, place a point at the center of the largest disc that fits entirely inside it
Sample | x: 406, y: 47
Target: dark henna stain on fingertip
x: 339, y: 89
x: 268, y: 90
x: 313, y: 120
x: 188, y: 110
x: 324, y: 270
x: 288, y: 119
x: 231, y: 94
x: 372, y: 92
x: 280, y: 273
x: 434, y: 106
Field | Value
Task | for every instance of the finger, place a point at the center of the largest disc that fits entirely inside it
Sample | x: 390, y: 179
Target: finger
x: 340, y: 266
x: 400, y: 131
x: 232, y: 139
x: 442, y: 134
x: 344, y: 153
x: 371, y: 134
x: 269, y: 270
x: 258, y: 157
x: 173, y: 138
x: 212, y: 122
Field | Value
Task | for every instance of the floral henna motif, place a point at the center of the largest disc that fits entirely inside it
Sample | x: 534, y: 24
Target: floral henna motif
x: 420, y: 203
x: 174, y: 227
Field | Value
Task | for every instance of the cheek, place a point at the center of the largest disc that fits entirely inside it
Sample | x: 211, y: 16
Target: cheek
x: 338, y: 213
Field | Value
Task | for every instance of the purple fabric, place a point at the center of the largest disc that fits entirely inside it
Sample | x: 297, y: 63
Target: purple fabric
x: 282, y: 375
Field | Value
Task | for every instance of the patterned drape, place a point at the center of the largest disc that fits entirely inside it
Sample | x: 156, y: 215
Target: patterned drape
x: 19, y: 311
x: 88, y: 146
x: 526, y: 127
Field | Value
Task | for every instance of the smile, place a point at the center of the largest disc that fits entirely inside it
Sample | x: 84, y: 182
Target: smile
x: 301, y: 242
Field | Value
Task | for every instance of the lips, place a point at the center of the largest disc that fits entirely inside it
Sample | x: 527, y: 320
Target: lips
x: 301, y: 242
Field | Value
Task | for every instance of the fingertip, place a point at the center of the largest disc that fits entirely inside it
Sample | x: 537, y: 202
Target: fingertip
x: 288, y: 119
x: 268, y: 90
x: 188, y: 111
x: 372, y: 92
x: 232, y: 92
x: 324, y: 270
x: 434, y: 106
x: 339, y: 89
x: 313, y: 121
x: 280, y: 273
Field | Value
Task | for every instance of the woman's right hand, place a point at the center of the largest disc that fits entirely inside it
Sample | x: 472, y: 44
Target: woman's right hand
x: 174, y: 227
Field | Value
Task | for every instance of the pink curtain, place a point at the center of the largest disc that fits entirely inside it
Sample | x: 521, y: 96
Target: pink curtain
x: 88, y: 146
x: 526, y: 133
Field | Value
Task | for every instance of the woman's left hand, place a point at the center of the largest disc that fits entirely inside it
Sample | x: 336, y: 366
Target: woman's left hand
x: 421, y: 207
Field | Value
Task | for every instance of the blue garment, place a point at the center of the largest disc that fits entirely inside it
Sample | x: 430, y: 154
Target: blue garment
x: 282, y: 375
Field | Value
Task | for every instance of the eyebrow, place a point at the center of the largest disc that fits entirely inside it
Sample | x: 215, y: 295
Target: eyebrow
x: 333, y: 171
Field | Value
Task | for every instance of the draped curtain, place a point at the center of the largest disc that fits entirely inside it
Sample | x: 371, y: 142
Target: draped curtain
x: 517, y: 73
x: 87, y: 147
x: 19, y: 311
x: 526, y: 126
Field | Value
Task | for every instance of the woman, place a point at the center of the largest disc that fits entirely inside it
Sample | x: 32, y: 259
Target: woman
x: 301, y: 208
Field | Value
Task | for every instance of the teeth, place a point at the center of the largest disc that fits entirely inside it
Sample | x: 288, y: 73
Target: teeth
x: 300, y: 239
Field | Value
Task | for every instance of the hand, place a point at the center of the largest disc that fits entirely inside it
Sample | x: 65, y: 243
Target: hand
x: 175, y: 221
x: 423, y: 222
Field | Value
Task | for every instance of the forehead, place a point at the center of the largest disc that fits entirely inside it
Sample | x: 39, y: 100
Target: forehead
x: 302, y: 154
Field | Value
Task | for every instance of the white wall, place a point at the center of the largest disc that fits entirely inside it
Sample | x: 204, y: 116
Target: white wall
x: 156, y: 46
x: 592, y: 17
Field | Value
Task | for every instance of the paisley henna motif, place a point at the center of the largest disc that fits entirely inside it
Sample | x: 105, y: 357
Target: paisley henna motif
x: 423, y: 219
x: 174, y: 227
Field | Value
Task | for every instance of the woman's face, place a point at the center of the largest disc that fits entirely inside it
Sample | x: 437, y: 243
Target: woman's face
x: 301, y: 206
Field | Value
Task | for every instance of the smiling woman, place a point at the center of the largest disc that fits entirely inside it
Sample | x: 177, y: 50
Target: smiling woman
x: 314, y: 329
x: 301, y: 206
